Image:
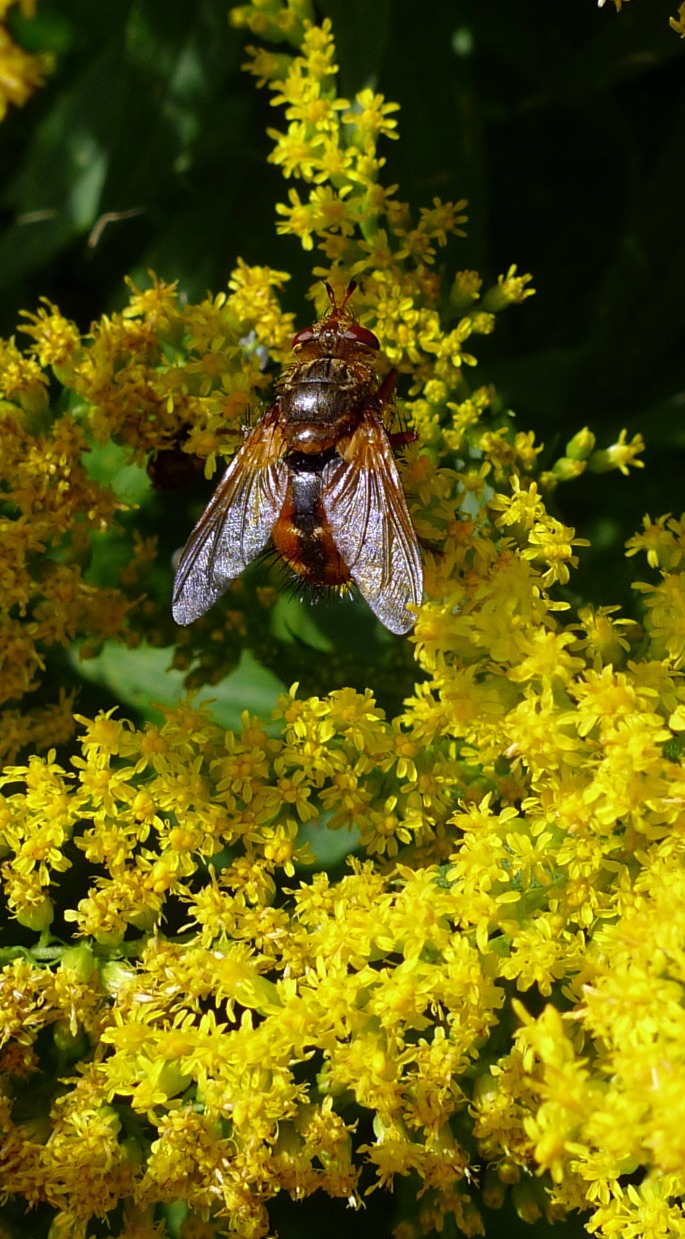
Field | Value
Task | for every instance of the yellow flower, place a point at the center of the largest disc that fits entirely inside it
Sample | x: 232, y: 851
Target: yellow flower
x: 510, y: 289
x: 551, y: 543
x: 620, y: 455
x: 605, y: 639
x: 663, y: 541
x: 330, y: 210
x: 21, y: 73
x: 299, y: 219
x: 665, y: 619
x: 678, y: 23
x: 295, y: 152
x: 545, y: 658
x: 370, y: 118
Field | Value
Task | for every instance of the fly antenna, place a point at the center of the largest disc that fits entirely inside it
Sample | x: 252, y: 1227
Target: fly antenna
x: 351, y: 287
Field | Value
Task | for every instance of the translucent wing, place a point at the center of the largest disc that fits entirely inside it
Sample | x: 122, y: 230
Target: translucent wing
x: 236, y: 524
x: 368, y: 516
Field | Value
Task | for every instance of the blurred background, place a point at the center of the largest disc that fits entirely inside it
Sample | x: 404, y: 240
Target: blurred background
x: 564, y: 126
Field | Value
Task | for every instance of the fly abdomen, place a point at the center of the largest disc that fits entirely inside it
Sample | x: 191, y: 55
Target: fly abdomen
x: 301, y: 534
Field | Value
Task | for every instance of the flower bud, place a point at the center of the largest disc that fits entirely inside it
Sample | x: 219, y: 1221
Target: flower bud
x: 581, y: 445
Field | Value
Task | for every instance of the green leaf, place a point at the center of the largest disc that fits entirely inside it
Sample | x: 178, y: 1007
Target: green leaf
x: 144, y: 679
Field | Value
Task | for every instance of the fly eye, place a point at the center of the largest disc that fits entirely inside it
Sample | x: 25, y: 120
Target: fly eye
x: 303, y: 337
x: 361, y: 335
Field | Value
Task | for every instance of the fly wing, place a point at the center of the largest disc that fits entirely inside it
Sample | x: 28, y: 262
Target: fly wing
x: 236, y: 524
x: 367, y: 512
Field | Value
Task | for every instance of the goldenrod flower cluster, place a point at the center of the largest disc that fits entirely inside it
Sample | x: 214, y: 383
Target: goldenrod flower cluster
x: 489, y: 1000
